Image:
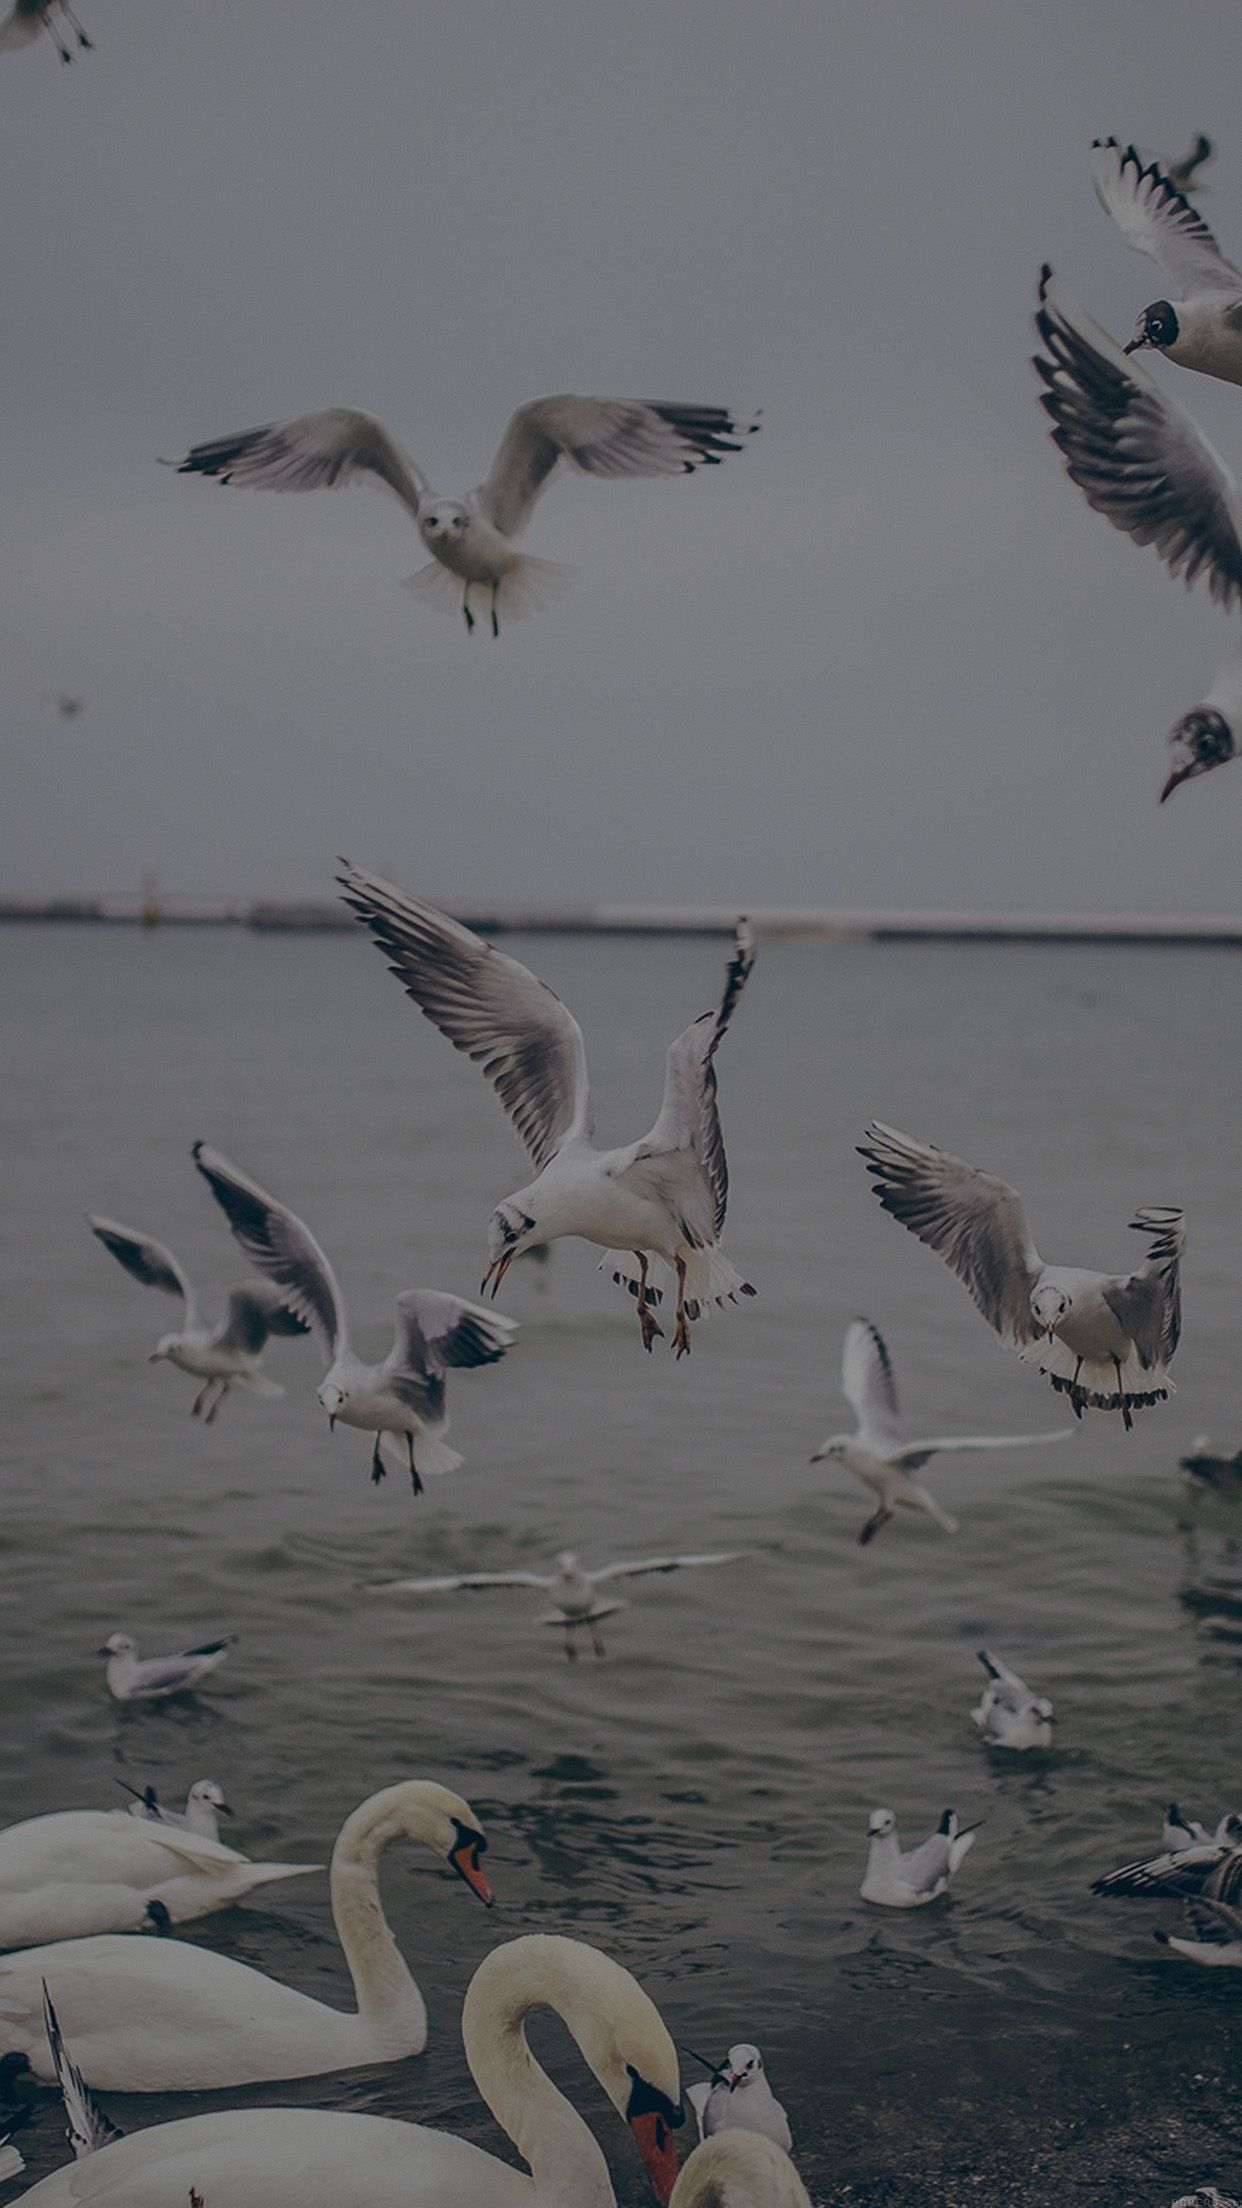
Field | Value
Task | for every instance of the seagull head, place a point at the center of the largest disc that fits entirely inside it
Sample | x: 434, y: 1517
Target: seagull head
x: 834, y: 1448
x: 510, y: 1231
x: 164, y: 1348
x: 1041, y: 1708
x: 744, y: 2062
x: 880, y: 1823
x: 333, y: 1400
x: 1156, y: 330
x: 119, y: 1644
x: 1202, y: 739
x: 1049, y: 1305
x: 445, y: 521
x: 211, y: 1795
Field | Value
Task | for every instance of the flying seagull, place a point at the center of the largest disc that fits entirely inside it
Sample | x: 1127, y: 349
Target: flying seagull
x: 26, y: 18
x: 402, y: 1396
x: 739, y: 2098
x: 473, y: 540
x: 664, y: 1196
x: 1202, y: 327
x: 907, y: 1881
x: 1182, y: 174
x: 573, y: 1590
x: 879, y: 1453
x: 132, y: 1678
x: 1103, y: 1339
x: 222, y: 1357
x: 1009, y: 1715
x: 1139, y: 459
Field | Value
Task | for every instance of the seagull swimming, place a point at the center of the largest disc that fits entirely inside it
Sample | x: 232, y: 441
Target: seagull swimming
x: 204, y: 1807
x: 879, y: 1453
x: 1103, y: 1339
x: 1140, y: 460
x: 402, y: 1396
x: 1207, y: 2196
x: 26, y: 18
x: 739, y: 2098
x: 1216, y: 1934
x: 922, y: 1874
x: 472, y: 540
x: 1009, y: 1715
x: 222, y: 1357
x: 664, y: 1196
x: 1206, y: 1465
x: 572, y: 1588
x: 1202, y: 327
x: 132, y: 1678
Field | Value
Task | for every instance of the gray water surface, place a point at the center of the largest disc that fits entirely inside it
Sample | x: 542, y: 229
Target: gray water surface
x: 696, y: 1802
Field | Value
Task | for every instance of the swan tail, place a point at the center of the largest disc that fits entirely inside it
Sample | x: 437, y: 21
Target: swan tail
x: 269, y: 1874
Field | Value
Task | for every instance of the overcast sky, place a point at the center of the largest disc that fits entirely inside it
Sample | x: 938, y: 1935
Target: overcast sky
x: 885, y: 657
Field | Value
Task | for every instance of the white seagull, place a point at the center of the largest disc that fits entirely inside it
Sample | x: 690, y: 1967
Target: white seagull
x: 573, y: 1590
x: 403, y: 1395
x: 879, y: 1453
x: 222, y: 1357
x: 204, y: 1807
x: 1140, y: 460
x: 1202, y: 327
x: 472, y: 540
x: 1216, y: 1934
x: 664, y: 1196
x: 1207, y: 2196
x: 1103, y: 1339
x: 907, y: 1881
x: 132, y: 1678
x: 1009, y: 1715
x: 739, y: 2098
x: 26, y: 18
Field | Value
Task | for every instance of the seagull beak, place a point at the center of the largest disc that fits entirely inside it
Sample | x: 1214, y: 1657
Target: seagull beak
x: 332, y: 1422
x: 223, y: 1809
x: 1134, y: 345
x: 1052, y: 1333
x: 1179, y: 775
x: 465, y: 1861
x: 156, y: 1357
x: 495, y: 1273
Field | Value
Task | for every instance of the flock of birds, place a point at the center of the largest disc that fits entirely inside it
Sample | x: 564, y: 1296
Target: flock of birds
x: 87, y: 2003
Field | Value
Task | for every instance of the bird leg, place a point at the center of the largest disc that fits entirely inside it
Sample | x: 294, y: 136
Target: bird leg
x: 465, y: 607
x: 196, y: 1408
x: 651, y: 1327
x: 83, y: 40
x: 55, y: 36
x: 1126, y: 1420
x: 873, y: 1525
x: 495, y: 618
x: 681, y: 1333
x: 571, y: 1646
x: 379, y: 1470
x: 597, y: 1638
x: 208, y: 1416
x: 415, y: 1481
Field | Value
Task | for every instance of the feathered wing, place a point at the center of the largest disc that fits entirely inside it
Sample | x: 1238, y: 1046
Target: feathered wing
x: 310, y: 453
x: 972, y: 1219
x: 1134, y: 453
x: 253, y: 1310
x: 1214, y: 1921
x: 146, y: 1260
x: 603, y: 437
x: 1183, y: 1871
x: 1154, y: 218
x: 868, y: 1386
x: 285, y: 1250
x: 460, y: 1580
x: 913, y: 1454
x: 1011, y: 1692
x: 491, y: 1007
x: 88, y: 2127
x: 436, y: 1332
x: 21, y: 26
x: 663, y: 1564
x: 689, y: 1114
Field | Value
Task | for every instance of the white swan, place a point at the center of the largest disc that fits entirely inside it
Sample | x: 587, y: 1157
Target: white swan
x: 152, y: 2016
x: 736, y: 2169
x: 313, y: 2158
x: 78, y: 1871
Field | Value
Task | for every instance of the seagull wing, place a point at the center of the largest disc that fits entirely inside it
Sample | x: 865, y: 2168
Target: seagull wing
x: 89, y: 2128
x: 1135, y: 454
x: 1012, y: 1692
x: 146, y: 1260
x: 255, y: 1309
x: 973, y: 1219
x: 1214, y: 1921
x: 311, y: 453
x: 868, y: 1386
x: 491, y: 1007
x: 278, y: 1243
x: 916, y: 1453
x: 460, y: 1580
x: 1182, y: 1871
x: 436, y: 1332
x: 689, y: 1116
x: 927, y: 1864
x: 1155, y: 219
x: 663, y: 1564
x: 606, y: 437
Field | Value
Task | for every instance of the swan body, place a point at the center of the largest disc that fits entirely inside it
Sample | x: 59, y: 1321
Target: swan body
x: 150, y: 2016
x: 82, y: 1871
x: 739, y: 2169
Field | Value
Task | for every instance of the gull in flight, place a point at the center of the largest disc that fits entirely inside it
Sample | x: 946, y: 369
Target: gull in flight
x: 739, y: 2098
x: 1103, y: 1339
x: 472, y: 540
x: 922, y: 1874
x: 222, y: 1357
x: 132, y: 1678
x: 664, y: 1196
x: 1009, y: 1715
x: 204, y: 1807
x: 1182, y: 174
x: 879, y: 1452
x: 26, y: 18
x: 1202, y: 327
x: 573, y: 1590
x: 1140, y: 460
x: 404, y: 1395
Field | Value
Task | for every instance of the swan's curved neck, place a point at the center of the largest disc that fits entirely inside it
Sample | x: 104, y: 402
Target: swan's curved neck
x: 383, y: 1987
x: 565, y: 2162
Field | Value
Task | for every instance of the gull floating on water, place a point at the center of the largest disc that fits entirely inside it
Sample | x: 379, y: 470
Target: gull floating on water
x: 1216, y: 1934
x: 26, y: 18
x: 1141, y: 461
x: 1103, y: 1339
x: 204, y: 1807
x: 1200, y: 328
x: 224, y: 1356
x: 879, y: 1452
x: 739, y: 2098
x: 922, y: 1874
x: 663, y: 1197
x: 1180, y: 1831
x: 1206, y: 1465
x: 573, y: 1589
x: 1009, y: 1715
x: 402, y: 1396
x: 472, y: 540
x: 132, y: 1678
x: 1207, y: 2196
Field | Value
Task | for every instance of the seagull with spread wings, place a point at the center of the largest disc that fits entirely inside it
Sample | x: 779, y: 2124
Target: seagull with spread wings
x: 404, y: 1395
x: 473, y: 540
x: 574, y: 1590
x: 1202, y: 327
x: 223, y: 1357
x: 879, y: 1452
x: 1103, y: 1339
x: 27, y: 18
x: 662, y: 1197
x: 1140, y: 460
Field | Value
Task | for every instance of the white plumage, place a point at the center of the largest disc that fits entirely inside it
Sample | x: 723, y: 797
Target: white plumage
x: 1201, y: 326
x: 897, y: 1880
x: 574, y: 1590
x: 1008, y: 1715
x: 134, y: 1678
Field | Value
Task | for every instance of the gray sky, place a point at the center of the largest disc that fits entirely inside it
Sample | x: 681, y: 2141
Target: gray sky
x: 887, y: 657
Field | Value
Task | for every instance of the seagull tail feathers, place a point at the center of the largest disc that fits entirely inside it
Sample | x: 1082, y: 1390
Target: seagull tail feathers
x: 530, y: 586
x: 432, y: 1458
